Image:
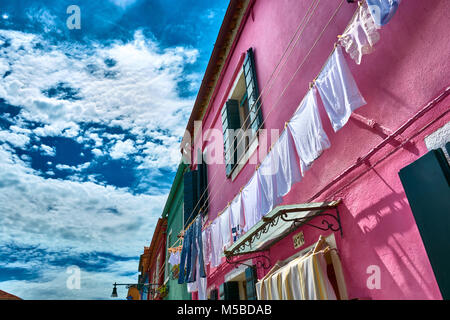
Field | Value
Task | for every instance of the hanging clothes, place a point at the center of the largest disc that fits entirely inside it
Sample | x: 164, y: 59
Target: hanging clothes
x: 185, y: 259
x: 249, y: 196
x: 199, y: 285
x: 360, y: 35
x: 304, y: 278
x: 338, y: 90
x: 192, y: 287
x: 237, y: 217
x: 307, y: 132
x: 174, y: 258
x: 268, y: 197
x: 288, y: 168
x: 277, y: 173
x: 206, y: 240
x: 382, y: 11
x: 225, y: 228
x: 216, y: 243
x: 196, y: 251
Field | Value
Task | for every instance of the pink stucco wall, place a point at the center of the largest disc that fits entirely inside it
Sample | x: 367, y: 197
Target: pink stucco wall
x: 410, y: 65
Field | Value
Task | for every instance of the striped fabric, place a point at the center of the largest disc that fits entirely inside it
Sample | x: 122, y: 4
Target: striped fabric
x: 304, y: 278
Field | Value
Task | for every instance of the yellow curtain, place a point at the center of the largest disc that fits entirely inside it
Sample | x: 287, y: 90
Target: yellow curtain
x: 304, y: 278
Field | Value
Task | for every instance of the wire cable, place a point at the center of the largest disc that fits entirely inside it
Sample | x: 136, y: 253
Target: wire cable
x: 302, y: 23
x: 279, y: 97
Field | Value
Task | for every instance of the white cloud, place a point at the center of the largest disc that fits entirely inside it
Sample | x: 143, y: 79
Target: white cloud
x: 47, y: 150
x: 97, y: 152
x: 141, y: 95
x: 16, y: 139
x: 83, y: 218
x: 123, y: 3
x: 78, y: 168
x: 122, y: 149
x: 93, y: 285
x: 58, y: 128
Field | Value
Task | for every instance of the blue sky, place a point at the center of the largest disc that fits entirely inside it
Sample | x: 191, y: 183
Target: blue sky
x: 90, y: 125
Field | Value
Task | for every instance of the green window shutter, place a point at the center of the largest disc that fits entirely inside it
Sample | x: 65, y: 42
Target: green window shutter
x: 202, y: 185
x: 250, y: 283
x: 251, y: 83
x: 230, y: 121
x: 229, y: 290
x: 190, y: 196
x: 427, y: 187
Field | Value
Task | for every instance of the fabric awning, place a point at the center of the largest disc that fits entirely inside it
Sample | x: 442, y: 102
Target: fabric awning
x: 281, y: 221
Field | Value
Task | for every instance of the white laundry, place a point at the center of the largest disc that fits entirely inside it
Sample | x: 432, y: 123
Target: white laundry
x: 250, y: 202
x: 277, y: 173
x: 201, y: 286
x: 206, y: 241
x: 216, y: 243
x: 361, y: 34
x: 338, y: 90
x: 288, y: 168
x: 174, y: 258
x: 237, y: 215
x: 307, y: 132
x: 192, y: 286
x: 268, y: 198
x: 225, y: 228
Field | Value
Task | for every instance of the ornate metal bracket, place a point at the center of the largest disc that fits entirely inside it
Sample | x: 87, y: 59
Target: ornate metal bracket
x: 326, y: 224
x: 265, y: 263
x: 256, y: 236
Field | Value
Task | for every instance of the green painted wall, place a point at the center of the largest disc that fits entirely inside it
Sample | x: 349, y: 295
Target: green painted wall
x: 173, y: 210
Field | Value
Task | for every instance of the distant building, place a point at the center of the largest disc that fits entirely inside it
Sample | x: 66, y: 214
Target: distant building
x: 8, y: 296
x: 174, y: 212
x: 152, y: 263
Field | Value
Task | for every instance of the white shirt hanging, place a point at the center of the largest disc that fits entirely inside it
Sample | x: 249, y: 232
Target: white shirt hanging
x: 307, y: 132
x: 277, y: 173
x: 338, y: 90
x: 288, y: 168
x: 206, y: 241
x: 237, y: 216
x: 249, y: 196
x: 225, y: 228
x: 268, y: 197
x: 216, y: 243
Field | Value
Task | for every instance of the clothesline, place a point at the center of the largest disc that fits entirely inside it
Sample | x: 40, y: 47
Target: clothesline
x: 175, y: 249
x: 257, y: 167
x: 346, y: 96
x: 360, y: 4
x: 302, y: 22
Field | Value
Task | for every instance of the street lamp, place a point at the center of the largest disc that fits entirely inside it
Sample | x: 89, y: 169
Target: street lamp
x: 114, y: 293
x: 145, y: 287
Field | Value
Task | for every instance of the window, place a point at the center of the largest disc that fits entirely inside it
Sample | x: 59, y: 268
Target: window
x: 196, y: 192
x: 241, y: 116
x: 157, y: 268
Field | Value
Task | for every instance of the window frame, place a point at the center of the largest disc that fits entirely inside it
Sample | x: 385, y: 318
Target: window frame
x: 253, y: 142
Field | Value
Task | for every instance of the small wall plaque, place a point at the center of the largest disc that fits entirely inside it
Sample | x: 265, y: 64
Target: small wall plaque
x: 299, y: 240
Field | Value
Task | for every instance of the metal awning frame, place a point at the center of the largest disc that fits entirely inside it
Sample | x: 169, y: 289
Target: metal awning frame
x: 236, y: 253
